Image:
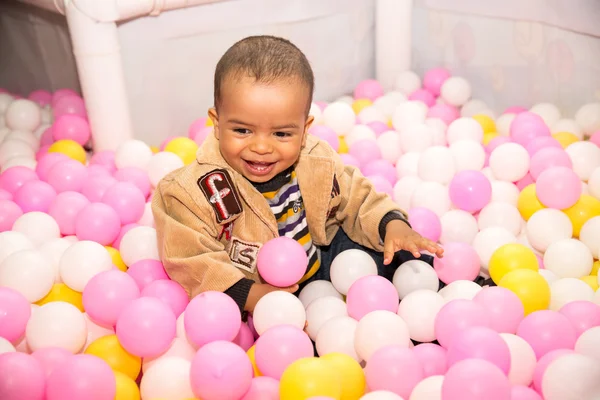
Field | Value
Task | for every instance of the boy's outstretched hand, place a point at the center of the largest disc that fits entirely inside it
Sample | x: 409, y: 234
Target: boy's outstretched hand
x: 400, y: 236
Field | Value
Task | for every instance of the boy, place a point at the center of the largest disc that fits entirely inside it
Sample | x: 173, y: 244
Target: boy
x: 261, y: 176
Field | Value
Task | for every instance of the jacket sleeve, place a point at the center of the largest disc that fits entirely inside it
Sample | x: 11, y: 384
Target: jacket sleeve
x: 363, y: 212
x: 187, y: 244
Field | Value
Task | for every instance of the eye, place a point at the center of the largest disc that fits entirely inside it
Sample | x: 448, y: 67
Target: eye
x: 241, y: 131
x: 283, y: 134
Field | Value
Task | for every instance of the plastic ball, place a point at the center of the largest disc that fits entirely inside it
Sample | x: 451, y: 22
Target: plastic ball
x: 14, y: 314
x: 530, y: 287
x: 183, y: 147
x: 56, y: 324
x: 278, y: 347
x: 320, y: 311
x: 137, y: 244
x: 212, y: 316
x: 27, y: 272
x: 470, y: 190
x: 371, y: 293
x: 407, y: 82
x: 97, y: 222
x: 282, y: 262
x: 110, y: 350
x: 455, y: 91
x: 568, y: 258
x: 126, y: 388
x: 394, y: 368
x: 61, y: 292
x: 133, y: 153
x: 340, y: 117
x: 510, y: 257
x: 71, y: 127
x: 509, y: 162
x: 21, y: 377
x: 587, y: 118
x: 583, y: 210
x: 460, y: 262
x: 419, y: 310
x: 413, y: 275
x: 467, y: 379
x: 69, y: 148
x: 379, y: 329
x: 23, y: 114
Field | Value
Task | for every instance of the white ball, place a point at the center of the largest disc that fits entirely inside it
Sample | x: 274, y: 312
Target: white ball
x: 429, y: 388
x: 432, y: 195
x: 567, y: 125
x: 588, y: 118
x: 588, y: 343
x: 278, y: 308
x: 180, y: 348
x: 53, y: 251
x: 337, y: 336
x: 350, y: 265
x: 488, y: 240
x: 456, y: 91
x: 20, y: 162
x: 569, y: 258
x: 133, y: 153
x: 590, y: 235
x: 25, y: 136
x: 389, y: 145
x: 436, y: 164
x: 522, y: 359
x: 416, y: 138
x: 548, y: 111
x: 27, y: 272
x: 464, y: 129
x: 39, y: 227
x: 388, y: 102
x: 458, y: 226
x: 505, y: 192
x: 415, y: 275
x: 460, y: 289
x: 23, y: 114
x: 407, y: 82
x: 57, y: 324
x: 509, y: 162
x: 381, y: 395
x: 322, y: 310
x: 408, y: 165
x: 167, y: 378
x: 503, y: 124
x: 11, y: 242
x: 547, y: 226
x: 81, y: 262
x: 468, y: 155
x: 502, y: 215
x: 162, y: 164
x: 409, y: 113
x: 439, y: 131
x: 572, y: 377
x: 5, y: 345
x: 317, y: 289
x: 404, y: 189
x: 346, y: 99
x: 585, y: 157
x: 566, y: 290
x: 15, y: 148
x: 147, y: 218
x: 419, y: 310
x: 359, y: 132
x: 340, y: 117
x: 371, y: 114
x: 379, y: 329
x: 316, y: 113
x: 5, y: 100
x: 473, y: 107
x: 138, y: 244
x: 594, y: 183
x: 548, y: 275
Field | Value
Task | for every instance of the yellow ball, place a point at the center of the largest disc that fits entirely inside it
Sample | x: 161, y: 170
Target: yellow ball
x: 510, y: 257
x: 565, y: 138
x: 486, y: 122
x: 308, y: 377
x: 343, y: 146
x: 528, y: 203
x: 351, y: 374
x: 154, y: 149
x: 61, y: 292
x: 586, y: 207
x: 69, y: 148
x: 592, y: 281
x: 488, y: 137
x: 252, y: 358
x: 361, y: 104
x: 209, y: 122
x: 127, y: 389
x: 184, y: 147
x: 595, y: 268
x: 110, y: 350
x: 116, y: 258
x: 531, y: 288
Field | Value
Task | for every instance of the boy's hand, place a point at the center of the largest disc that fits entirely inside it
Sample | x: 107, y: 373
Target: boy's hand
x: 258, y: 290
x: 400, y: 236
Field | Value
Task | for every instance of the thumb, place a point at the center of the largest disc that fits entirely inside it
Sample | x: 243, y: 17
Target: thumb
x: 290, y: 289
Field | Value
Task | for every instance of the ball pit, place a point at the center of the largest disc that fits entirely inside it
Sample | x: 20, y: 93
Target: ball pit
x: 87, y: 310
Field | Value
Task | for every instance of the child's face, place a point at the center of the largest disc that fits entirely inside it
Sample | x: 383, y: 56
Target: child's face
x: 261, y: 127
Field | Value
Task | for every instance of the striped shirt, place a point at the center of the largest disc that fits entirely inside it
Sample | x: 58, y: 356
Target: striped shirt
x: 288, y: 208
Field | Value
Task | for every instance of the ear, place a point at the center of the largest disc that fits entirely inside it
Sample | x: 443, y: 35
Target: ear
x: 212, y: 114
x: 307, y: 125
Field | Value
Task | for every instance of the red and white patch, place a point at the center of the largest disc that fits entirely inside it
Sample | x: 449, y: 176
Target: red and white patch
x: 220, y: 192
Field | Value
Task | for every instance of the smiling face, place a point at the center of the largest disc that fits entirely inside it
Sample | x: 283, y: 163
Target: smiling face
x: 261, y: 127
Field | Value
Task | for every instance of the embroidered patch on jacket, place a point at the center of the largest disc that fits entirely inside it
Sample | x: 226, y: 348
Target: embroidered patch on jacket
x: 226, y: 231
x: 335, y: 190
x: 244, y: 254
x: 218, y: 188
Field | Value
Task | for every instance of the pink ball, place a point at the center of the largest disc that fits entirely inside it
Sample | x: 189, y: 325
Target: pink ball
x: 5, y: 195
x: 381, y: 184
x: 146, y: 327
x: 42, y: 151
x: 124, y: 229
x: 433, y: 358
x: 197, y: 126
x: 582, y: 314
x: 425, y: 222
x: 526, y: 126
x: 368, y: 89
x: 445, y: 112
x: 69, y: 104
x: 65, y: 208
x: 524, y: 393
x: 14, y: 314
x: 371, y: 293
x: 514, y: 110
x: 34, y: 196
x: 280, y: 346
x: 137, y: 176
x: 82, y: 377
x: 434, y: 79
x: 42, y: 97
x: 71, y: 127
x: 424, y: 96
x: 394, y: 368
x: 67, y: 175
x: 549, y: 157
x: 15, y: 177
x: 97, y: 222
x: 202, y: 135
x: 347, y: 159
x: 46, y: 162
x: 547, y: 330
x: 524, y: 181
x: 505, y: 308
x: 543, y: 363
x: 475, y: 379
x: 107, y: 294
x: 460, y: 262
x: 220, y: 370
x: 9, y: 212
x: 245, y: 337
x: 282, y: 261
x: 481, y: 343
x: 378, y: 127
x: 99, y: 170
x: 21, y: 377
x: 47, y: 137
x: 495, y: 142
x: 145, y: 272
x: 95, y: 187
x: 456, y: 316
x: 169, y: 292
x: 383, y: 168
x: 558, y: 187
x: 327, y: 134
x: 365, y: 151
x: 127, y: 200
x: 595, y: 138
x: 263, y: 388
x: 470, y: 190
x: 105, y: 158
x: 211, y: 316
x: 50, y: 357
x: 542, y: 142
x: 60, y: 93
x: 250, y: 323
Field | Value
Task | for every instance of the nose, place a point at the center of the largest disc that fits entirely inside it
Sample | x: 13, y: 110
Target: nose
x: 261, y: 145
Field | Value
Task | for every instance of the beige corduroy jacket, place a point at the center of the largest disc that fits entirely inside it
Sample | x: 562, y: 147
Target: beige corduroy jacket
x: 211, y: 221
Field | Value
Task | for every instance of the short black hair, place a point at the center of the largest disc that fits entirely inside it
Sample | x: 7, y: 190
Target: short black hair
x: 266, y: 59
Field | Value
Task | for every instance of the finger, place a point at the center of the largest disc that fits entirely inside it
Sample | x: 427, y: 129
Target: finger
x: 290, y: 289
x: 388, y: 252
x: 414, y: 249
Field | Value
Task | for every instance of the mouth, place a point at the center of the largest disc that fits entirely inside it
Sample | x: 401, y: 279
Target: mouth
x: 259, y: 168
